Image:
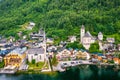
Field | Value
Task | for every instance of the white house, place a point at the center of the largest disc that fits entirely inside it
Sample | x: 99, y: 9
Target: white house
x: 83, y: 54
x: 25, y: 36
x: 63, y: 54
x: 50, y: 40
x: 51, y: 48
x: 36, y: 53
x: 110, y: 40
x: 31, y: 25
x: 72, y: 39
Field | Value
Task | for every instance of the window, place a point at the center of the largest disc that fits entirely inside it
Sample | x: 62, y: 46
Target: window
x: 36, y: 54
x: 31, y: 57
x: 40, y: 57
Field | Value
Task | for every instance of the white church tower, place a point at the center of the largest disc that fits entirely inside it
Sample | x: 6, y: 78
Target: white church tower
x: 100, y: 36
x: 82, y: 33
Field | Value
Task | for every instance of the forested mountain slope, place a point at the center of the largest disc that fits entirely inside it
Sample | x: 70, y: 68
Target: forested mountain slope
x: 61, y: 17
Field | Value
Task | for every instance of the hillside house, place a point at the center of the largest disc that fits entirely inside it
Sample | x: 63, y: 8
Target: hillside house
x: 111, y: 40
x: 72, y: 39
x: 30, y: 25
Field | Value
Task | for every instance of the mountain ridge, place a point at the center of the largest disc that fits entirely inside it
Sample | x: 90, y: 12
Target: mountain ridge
x: 61, y: 17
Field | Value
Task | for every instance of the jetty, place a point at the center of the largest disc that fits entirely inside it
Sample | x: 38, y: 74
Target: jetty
x: 8, y: 70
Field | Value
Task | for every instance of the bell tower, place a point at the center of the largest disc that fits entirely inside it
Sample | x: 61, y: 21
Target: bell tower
x: 82, y: 33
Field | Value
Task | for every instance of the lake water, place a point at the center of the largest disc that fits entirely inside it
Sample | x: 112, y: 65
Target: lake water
x: 84, y: 72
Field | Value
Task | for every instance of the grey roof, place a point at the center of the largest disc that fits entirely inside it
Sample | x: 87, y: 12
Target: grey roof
x: 50, y: 39
x: 40, y: 34
x: 93, y: 38
x: 36, y: 51
x: 111, y: 39
x: 19, y: 50
x: 3, y: 40
x: 23, y: 41
x: 87, y: 34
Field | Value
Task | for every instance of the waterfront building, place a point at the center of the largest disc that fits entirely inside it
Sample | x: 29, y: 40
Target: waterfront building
x: 15, y: 57
x: 82, y: 55
x: 37, y: 54
x: 116, y: 60
x: 64, y: 54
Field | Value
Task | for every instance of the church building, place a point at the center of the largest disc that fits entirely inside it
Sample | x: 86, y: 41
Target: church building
x: 87, y: 39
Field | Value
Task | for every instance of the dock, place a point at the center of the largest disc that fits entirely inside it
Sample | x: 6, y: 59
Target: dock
x: 8, y: 70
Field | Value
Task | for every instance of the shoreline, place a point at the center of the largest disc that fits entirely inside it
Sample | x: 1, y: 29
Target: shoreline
x: 32, y: 71
x: 52, y: 72
x: 37, y: 72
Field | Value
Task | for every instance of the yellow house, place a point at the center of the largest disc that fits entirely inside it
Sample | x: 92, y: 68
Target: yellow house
x: 15, y: 57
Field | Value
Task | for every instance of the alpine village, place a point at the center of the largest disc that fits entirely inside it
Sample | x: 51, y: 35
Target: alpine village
x: 42, y: 55
x: 39, y: 36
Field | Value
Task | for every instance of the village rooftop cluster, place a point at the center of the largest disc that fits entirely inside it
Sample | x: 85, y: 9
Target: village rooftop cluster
x: 40, y: 53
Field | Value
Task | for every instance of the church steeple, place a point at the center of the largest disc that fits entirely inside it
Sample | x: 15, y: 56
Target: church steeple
x: 82, y: 32
x: 100, y: 36
x: 83, y: 27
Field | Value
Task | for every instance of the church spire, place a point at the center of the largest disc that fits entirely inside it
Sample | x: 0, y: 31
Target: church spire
x: 82, y: 32
x: 83, y: 27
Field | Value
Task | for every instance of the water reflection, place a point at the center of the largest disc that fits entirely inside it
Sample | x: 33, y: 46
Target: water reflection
x: 83, y: 72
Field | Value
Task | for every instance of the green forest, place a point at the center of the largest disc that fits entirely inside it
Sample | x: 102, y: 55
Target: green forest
x: 61, y: 18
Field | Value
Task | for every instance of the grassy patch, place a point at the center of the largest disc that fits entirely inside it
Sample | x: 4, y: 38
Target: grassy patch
x: 2, y: 64
x: 53, y: 73
x: 36, y: 66
x: 54, y: 61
